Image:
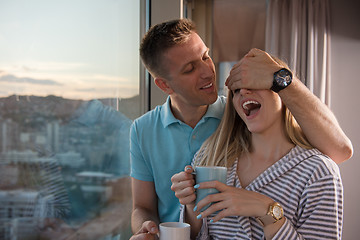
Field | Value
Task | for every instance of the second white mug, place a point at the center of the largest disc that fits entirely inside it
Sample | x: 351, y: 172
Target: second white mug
x: 174, y: 231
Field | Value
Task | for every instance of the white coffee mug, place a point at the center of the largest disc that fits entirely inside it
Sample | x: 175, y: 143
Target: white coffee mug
x: 174, y: 231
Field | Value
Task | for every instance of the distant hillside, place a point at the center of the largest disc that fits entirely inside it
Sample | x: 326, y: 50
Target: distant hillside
x: 128, y: 106
x: 20, y: 108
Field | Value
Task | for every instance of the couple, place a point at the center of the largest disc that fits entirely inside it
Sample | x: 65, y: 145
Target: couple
x: 271, y: 164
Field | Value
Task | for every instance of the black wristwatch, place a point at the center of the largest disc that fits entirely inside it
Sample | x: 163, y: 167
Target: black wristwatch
x: 282, y: 79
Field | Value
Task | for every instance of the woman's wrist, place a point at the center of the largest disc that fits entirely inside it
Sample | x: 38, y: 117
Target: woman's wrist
x: 270, y: 230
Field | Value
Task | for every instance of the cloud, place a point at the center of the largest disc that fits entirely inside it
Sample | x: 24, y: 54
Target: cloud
x: 43, y: 67
x: 86, y: 89
x: 12, y: 78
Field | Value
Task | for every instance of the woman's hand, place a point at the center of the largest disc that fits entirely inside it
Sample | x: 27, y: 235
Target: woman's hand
x: 232, y: 201
x: 183, y: 186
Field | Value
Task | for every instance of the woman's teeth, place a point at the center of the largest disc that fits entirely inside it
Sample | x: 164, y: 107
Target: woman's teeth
x: 251, y: 107
x: 245, y: 104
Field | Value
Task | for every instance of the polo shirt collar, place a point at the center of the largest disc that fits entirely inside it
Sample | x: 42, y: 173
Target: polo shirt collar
x: 214, y: 110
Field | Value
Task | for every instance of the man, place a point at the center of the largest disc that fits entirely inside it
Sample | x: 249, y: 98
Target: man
x: 164, y: 140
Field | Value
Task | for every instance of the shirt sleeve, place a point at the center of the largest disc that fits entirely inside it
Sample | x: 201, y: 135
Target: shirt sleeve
x: 140, y: 168
x: 204, y: 231
x: 320, y: 212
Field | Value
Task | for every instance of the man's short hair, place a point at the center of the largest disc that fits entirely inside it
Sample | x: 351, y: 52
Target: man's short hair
x: 160, y: 38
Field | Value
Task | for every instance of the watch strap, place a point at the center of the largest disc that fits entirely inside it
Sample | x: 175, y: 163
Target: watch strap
x: 266, y: 220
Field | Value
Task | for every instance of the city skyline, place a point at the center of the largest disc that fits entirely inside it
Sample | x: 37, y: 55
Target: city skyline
x: 72, y: 49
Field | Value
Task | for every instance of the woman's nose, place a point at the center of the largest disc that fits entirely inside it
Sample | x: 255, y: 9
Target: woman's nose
x: 245, y: 91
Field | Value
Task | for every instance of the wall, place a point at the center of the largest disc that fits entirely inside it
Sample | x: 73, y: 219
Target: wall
x: 162, y: 10
x: 345, y: 99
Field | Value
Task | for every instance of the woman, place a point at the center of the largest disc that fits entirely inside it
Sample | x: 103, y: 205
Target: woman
x: 278, y: 186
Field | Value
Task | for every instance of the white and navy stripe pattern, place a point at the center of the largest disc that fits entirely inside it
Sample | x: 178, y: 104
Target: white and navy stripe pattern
x: 308, y: 186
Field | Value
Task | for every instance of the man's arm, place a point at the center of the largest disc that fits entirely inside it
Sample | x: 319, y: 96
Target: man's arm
x: 255, y: 71
x: 144, y: 207
x: 317, y: 121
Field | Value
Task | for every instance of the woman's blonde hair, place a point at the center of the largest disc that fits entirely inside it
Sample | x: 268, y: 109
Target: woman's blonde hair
x: 232, y: 138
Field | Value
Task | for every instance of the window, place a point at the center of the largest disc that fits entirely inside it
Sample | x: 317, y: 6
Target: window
x: 69, y: 90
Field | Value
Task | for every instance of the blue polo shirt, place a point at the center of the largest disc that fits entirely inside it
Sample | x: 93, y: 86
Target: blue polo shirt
x: 161, y: 146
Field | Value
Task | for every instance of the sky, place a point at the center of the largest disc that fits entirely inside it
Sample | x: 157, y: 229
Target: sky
x: 77, y: 49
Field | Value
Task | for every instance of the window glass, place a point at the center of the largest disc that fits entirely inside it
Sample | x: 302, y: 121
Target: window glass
x: 69, y: 90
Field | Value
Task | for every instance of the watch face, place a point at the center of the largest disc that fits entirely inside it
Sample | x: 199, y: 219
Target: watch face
x: 277, y: 211
x: 283, y: 78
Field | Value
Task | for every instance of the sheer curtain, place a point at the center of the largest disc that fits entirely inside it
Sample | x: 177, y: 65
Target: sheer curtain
x: 238, y: 26
x: 298, y: 31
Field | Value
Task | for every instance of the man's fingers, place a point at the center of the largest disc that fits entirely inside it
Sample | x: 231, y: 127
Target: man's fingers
x: 144, y: 236
x: 149, y: 227
x: 235, y: 75
x: 148, y: 231
x: 253, y: 52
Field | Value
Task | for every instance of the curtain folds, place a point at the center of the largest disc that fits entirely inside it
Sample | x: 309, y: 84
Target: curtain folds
x: 298, y: 31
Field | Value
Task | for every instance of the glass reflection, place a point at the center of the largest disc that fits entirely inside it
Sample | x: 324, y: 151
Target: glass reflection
x: 63, y: 162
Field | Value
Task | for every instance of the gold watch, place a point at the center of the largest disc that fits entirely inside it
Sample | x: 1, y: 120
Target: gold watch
x: 274, y: 214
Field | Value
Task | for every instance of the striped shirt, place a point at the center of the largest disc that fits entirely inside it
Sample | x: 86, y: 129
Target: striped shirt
x: 308, y: 186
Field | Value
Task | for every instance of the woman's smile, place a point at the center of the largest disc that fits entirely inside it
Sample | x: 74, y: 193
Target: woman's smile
x: 251, y: 107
